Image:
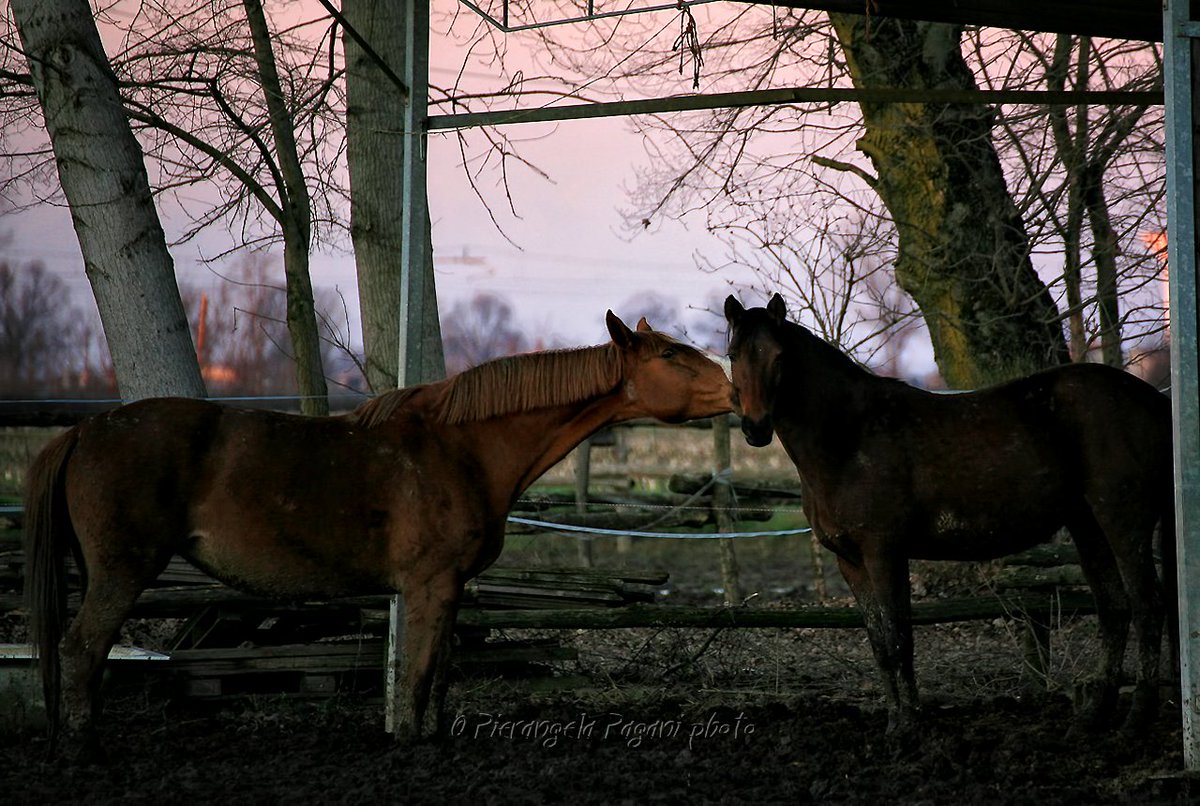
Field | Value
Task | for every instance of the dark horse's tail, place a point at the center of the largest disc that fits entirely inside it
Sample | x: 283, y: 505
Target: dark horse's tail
x: 1170, y: 581
x: 49, y: 535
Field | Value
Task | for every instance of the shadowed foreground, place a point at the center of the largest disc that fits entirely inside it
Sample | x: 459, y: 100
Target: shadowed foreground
x: 604, y: 745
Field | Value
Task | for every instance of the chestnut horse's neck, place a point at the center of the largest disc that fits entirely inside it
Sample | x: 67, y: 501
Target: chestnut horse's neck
x: 520, y: 414
x: 511, y: 385
x: 522, y: 447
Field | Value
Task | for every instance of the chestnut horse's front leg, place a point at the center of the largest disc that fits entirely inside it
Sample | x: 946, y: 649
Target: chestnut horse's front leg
x: 430, y: 610
x: 881, y: 588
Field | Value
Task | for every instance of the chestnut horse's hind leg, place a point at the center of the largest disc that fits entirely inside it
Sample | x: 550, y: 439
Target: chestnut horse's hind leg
x: 1097, y: 697
x: 109, y: 598
x: 429, y: 613
x: 881, y: 588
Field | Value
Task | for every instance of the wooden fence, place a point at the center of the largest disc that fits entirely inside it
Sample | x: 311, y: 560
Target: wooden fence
x: 226, y: 640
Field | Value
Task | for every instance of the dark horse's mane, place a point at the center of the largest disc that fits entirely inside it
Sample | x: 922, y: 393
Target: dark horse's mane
x: 509, y: 385
x: 810, y: 346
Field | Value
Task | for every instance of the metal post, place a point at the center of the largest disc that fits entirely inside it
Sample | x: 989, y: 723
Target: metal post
x: 413, y: 256
x: 1181, y: 53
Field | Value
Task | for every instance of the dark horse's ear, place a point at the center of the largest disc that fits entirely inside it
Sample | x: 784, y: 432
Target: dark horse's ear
x: 622, y: 336
x: 644, y: 326
x: 733, y: 309
x: 778, y: 309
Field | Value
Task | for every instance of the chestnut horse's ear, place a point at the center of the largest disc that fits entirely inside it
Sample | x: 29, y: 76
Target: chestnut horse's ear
x: 777, y: 308
x: 622, y: 336
x: 644, y: 326
x: 733, y: 309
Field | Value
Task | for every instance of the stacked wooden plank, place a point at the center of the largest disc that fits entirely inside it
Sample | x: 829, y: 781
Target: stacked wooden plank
x: 328, y: 667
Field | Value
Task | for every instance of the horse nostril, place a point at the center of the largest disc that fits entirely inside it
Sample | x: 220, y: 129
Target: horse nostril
x: 758, y: 433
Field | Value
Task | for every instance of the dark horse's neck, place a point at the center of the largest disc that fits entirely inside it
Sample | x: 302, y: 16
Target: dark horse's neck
x: 821, y: 393
x: 819, y: 369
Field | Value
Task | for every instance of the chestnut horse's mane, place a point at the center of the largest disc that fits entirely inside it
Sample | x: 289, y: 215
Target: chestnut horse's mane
x: 509, y: 385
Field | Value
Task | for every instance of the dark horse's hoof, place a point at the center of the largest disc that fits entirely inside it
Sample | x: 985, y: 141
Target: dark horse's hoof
x: 1143, y: 710
x: 78, y: 750
x: 904, y: 726
x: 1095, y: 703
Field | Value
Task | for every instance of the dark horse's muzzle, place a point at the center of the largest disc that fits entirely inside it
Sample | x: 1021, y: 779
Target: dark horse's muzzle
x: 758, y: 432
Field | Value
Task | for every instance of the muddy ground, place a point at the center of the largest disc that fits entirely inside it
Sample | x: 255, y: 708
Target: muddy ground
x: 643, y: 716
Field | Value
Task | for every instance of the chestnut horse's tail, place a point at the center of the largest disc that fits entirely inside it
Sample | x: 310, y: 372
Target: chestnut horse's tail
x: 49, y: 535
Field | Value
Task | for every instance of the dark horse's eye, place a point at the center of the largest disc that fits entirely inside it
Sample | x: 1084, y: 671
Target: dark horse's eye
x: 669, y: 353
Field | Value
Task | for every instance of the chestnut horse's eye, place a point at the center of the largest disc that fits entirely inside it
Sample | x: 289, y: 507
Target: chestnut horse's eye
x: 669, y: 353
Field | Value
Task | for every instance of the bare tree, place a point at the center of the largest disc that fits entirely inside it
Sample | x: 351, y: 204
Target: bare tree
x: 786, y: 187
x: 480, y: 329
x: 216, y: 105
x: 295, y: 220
x: 1098, y: 190
x: 40, y: 331
x: 213, y: 107
x: 104, y: 179
x: 241, y: 330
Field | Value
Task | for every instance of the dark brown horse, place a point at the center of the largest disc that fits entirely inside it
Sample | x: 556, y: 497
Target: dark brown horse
x: 408, y: 494
x: 891, y: 473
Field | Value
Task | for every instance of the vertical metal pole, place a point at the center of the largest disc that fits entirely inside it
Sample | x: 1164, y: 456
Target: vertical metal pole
x: 414, y: 245
x: 414, y: 250
x: 1181, y: 53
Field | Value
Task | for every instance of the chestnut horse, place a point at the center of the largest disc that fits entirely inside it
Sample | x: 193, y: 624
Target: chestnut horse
x: 407, y: 494
x: 891, y: 473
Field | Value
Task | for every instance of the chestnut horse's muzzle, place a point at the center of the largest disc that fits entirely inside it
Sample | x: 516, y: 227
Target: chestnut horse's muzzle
x: 758, y: 432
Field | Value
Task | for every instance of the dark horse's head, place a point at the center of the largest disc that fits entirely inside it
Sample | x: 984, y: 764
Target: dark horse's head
x: 754, y: 349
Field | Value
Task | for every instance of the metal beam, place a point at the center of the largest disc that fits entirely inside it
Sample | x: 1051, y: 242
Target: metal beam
x: 1181, y: 51
x: 1120, y: 19
x: 794, y: 95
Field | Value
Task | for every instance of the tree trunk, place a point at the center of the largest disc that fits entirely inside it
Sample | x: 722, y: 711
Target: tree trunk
x: 296, y: 211
x: 1072, y: 152
x: 103, y: 177
x: 374, y: 153
x: 964, y: 253
x: 1104, y: 253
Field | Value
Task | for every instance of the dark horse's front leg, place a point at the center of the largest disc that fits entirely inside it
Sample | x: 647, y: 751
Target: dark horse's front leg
x: 881, y: 588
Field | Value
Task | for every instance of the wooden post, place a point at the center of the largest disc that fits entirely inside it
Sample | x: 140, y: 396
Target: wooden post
x: 723, y: 507
x: 583, y: 473
x: 815, y: 550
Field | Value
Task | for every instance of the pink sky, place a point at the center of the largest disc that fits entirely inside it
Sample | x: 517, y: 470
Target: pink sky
x: 571, y: 261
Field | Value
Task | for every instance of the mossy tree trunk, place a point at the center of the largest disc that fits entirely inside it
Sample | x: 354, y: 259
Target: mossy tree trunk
x: 963, y: 249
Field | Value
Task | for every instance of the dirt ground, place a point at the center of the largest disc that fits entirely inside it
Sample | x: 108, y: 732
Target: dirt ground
x: 643, y: 716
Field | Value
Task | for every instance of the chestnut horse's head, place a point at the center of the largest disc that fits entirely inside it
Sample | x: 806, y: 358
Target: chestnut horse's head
x: 667, y: 379
x: 754, y: 349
